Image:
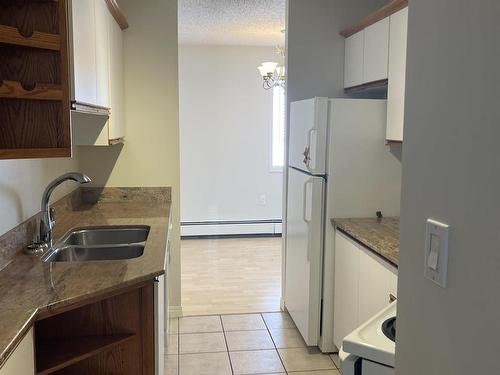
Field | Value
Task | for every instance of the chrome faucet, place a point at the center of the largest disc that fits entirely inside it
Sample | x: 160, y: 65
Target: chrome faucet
x: 47, y: 223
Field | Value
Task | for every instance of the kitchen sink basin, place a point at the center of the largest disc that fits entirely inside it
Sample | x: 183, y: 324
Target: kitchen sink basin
x: 83, y: 254
x: 112, y: 235
x: 99, y: 243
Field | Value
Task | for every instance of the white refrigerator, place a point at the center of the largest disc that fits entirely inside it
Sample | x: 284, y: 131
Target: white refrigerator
x: 339, y: 166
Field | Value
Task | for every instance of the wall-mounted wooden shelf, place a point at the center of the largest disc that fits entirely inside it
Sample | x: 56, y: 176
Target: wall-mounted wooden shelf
x: 34, y: 80
x: 11, y: 35
x: 386, y: 11
x: 15, y: 90
x: 56, y: 354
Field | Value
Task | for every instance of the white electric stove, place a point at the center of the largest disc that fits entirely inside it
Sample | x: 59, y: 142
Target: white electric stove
x: 370, y: 349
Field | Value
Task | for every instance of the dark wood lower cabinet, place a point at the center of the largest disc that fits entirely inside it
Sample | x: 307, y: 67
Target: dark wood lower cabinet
x: 109, y: 336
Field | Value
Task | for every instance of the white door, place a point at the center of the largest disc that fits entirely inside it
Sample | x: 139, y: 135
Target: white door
x: 308, y: 135
x: 304, y: 251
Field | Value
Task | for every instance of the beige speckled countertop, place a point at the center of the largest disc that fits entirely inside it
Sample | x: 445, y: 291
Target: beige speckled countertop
x: 29, y: 286
x: 379, y: 235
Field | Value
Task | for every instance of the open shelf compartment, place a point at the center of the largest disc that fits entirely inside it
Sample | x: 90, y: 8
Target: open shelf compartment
x: 56, y: 354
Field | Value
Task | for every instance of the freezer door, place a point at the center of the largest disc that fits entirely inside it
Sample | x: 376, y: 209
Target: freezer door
x: 304, y: 251
x: 308, y: 135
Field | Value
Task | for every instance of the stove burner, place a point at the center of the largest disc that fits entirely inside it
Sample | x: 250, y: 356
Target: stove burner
x: 389, y: 328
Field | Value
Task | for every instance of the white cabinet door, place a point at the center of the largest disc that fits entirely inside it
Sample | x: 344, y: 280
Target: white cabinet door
x: 363, y: 283
x: 102, y: 18
x: 376, y: 51
x: 84, y: 51
x: 374, y: 284
x: 22, y: 360
x: 353, y: 64
x: 116, y: 80
x: 397, y: 75
x: 346, y: 294
x: 304, y: 252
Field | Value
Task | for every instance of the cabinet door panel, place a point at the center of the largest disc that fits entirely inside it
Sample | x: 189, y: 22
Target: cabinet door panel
x: 353, y: 65
x: 22, y: 360
x: 102, y: 52
x: 376, y: 51
x: 346, y: 293
x: 84, y: 51
x: 374, y: 284
x: 117, y: 118
x: 397, y: 75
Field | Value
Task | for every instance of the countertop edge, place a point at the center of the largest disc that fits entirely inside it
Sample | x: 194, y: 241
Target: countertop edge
x: 381, y: 253
x: 367, y: 246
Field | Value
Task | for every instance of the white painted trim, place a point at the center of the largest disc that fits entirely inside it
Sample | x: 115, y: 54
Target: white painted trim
x: 175, y: 311
x: 221, y: 229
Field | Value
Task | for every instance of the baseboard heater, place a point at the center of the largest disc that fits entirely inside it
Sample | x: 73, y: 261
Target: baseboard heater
x: 242, y: 228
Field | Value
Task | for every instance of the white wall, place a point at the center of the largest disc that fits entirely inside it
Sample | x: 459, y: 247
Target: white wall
x: 451, y: 164
x: 150, y: 156
x: 225, y: 135
x: 22, y: 183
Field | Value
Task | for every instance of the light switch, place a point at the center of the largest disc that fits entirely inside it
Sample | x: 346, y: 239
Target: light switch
x: 432, y: 261
x: 436, y: 252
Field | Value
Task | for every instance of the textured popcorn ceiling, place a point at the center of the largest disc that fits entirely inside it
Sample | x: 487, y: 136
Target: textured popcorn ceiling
x: 232, y: 22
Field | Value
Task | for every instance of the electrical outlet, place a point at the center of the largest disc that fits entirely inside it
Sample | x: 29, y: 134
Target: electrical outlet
x: 262, y: 199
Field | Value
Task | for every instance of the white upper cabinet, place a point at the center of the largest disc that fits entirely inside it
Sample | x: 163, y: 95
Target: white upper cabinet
x: 376, y: 51
x: 97, y: 54
x: 102, y: 47
x: 397, y: 75
x: 367, y: 54
x: 354, y: 52
x: 84, y: 88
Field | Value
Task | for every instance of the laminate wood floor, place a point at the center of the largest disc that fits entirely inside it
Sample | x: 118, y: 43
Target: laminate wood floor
x: 227, y: 276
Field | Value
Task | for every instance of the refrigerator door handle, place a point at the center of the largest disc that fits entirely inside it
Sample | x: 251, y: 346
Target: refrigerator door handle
x: 307, y: 214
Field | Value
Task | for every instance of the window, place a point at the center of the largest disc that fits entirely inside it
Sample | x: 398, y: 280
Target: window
x: 278, y: 136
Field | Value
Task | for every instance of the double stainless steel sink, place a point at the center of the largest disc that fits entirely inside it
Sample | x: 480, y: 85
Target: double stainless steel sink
x: 99, y: 243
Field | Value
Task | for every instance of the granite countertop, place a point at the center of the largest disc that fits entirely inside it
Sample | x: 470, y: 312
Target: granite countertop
x: 29, y: 287
x: 379, y: 235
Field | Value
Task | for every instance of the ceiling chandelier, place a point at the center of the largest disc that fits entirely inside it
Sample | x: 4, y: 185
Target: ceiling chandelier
x: 273, y: 73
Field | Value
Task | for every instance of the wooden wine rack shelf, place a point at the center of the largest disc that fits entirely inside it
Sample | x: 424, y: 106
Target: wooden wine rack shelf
x: 11, y: 35
x: 15, y: 90
x: 34, y: 80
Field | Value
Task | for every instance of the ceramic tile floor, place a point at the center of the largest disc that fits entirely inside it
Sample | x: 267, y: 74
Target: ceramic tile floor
x: 242, y: 344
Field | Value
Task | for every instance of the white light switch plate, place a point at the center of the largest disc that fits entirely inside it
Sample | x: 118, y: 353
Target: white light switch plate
x: 436, y: 252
